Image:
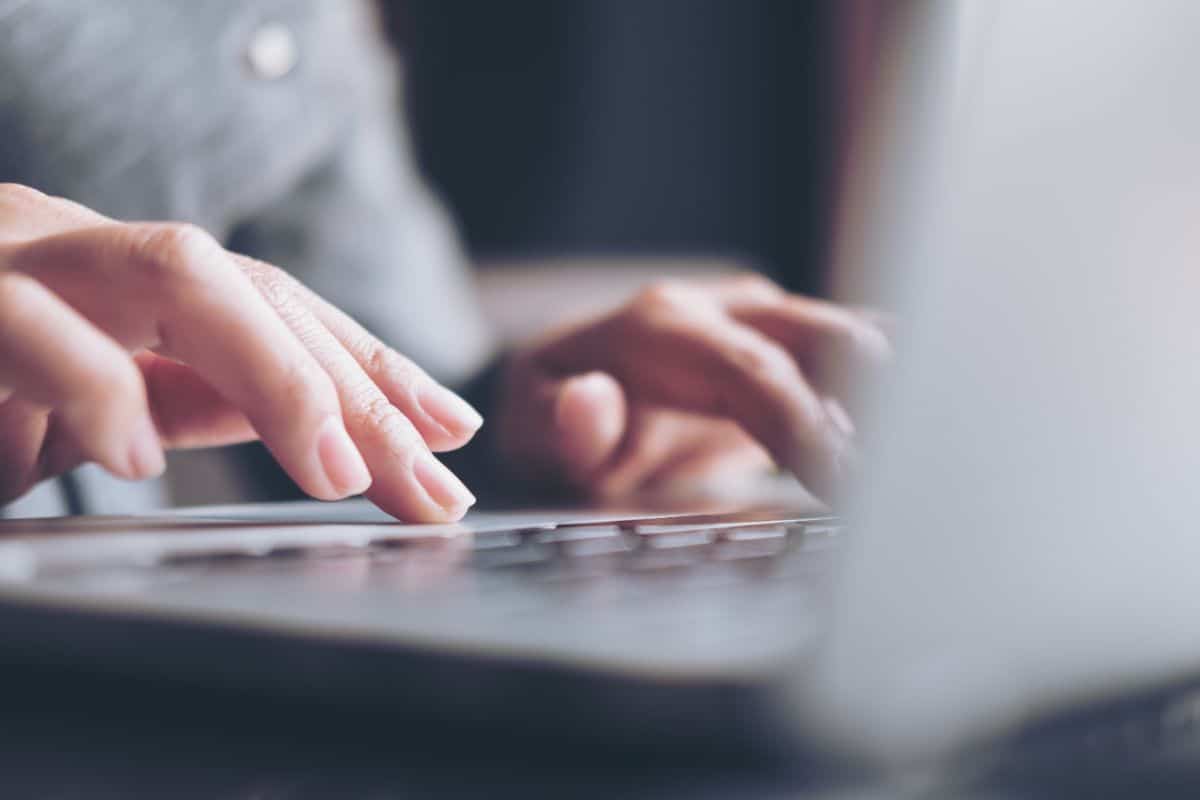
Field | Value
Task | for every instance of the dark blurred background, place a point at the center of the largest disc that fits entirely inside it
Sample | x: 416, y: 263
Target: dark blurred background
x: 619, y: 127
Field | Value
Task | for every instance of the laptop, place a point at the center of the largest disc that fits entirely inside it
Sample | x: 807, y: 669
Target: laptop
x: 1019, y: 547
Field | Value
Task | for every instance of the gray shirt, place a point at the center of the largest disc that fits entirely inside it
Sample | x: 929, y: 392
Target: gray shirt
x: 275, y: 124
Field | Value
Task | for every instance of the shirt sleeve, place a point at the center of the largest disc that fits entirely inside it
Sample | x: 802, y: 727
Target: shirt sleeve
x: 365, y: 232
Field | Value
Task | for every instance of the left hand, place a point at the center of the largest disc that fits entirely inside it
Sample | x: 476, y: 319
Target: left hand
x: 688, y: 381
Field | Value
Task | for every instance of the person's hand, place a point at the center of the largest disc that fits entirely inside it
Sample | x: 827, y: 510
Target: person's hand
x: 686, y: 381
x: 117, y: 340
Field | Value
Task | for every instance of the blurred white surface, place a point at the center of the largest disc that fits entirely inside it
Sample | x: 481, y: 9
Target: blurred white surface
x: 1026, y: 535
x: 524, y: 298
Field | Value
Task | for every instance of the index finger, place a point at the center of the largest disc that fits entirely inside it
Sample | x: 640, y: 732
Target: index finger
x: 836, y: 346
x: 173, y: 288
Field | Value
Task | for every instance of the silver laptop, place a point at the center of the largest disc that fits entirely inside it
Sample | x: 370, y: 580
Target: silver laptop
x: 1021, y: 543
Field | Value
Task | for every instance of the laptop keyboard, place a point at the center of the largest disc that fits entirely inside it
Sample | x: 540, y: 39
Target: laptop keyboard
x: 564, y: 553
x: 638, y: 548
x: 627, y: 558
x: 690, y: 593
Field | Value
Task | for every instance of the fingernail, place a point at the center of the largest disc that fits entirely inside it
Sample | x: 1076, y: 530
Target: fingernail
x: 344, y: 467
x: 441, y: 484
x: 448, y: 409
x: 145, y: 458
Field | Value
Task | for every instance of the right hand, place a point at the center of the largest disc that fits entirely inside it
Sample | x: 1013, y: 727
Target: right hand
x: 117, y: 340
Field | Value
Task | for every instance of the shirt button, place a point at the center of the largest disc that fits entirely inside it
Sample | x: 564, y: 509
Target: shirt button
x: 272, y: 52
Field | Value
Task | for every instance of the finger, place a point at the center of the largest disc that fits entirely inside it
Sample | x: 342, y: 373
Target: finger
x: 407, y: 480
x: 22, y: 433
x: 671, y: 351
x: 838, y: 346
x: 187, y: 410
x: 28, y: 214
x: 57, y: 359
x: 835, y: 345
x: 174, y: 289
x: 589, y: 417
x: 707, y: 468
x: 885, y: 321
x: 445, y: 420
x: 672, y: 450
x: 560, y: 431
x: 576, y: 425
x: 653, y: 440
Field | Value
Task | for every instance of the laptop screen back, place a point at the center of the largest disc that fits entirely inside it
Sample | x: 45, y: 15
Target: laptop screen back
x: 1026, y: 532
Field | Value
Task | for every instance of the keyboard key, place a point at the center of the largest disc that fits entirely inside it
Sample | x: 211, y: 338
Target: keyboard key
x: 672, y: 541
x: 716, y: 525
x: 492, y: 540
x: 526, y: 554
x: 585, y: 548
x: 584, y: 533
x: 754, y: 534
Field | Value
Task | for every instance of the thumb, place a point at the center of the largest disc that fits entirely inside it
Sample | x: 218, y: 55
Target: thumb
x: 589, y: 419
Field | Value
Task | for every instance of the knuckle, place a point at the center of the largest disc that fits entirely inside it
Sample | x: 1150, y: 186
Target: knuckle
x: 374, y: 410
x: 20, y: 208
x: 760, y: 363
x: 174, y: 254
x: 36, y: 213
x: 301, y: 380
x: 382, y: 419
x: 664, y: 296
x: 18, y: 194
x: 272, y: 283
x: 754, y: 285
x: 273, y: 286
x: 387, y: 366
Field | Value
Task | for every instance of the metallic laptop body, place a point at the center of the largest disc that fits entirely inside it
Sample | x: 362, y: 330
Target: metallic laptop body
x: 648, y: 629
x: 1023, y: 539
x: 651, y: 592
